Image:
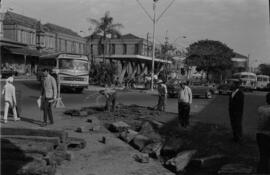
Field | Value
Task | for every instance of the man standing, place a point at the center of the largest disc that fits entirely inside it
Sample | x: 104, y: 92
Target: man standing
x: 236, y: 105
x: 49, y: 94
x: 162, y: 95
x: 184, y: 102
x: 263, y: 137
x: 110, y: 95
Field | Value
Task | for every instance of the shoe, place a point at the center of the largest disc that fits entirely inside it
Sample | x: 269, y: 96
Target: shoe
x: 43, y: 124
x: 17, y: 119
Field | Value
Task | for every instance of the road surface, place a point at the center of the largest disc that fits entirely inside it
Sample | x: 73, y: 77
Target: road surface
x: 210, y: 111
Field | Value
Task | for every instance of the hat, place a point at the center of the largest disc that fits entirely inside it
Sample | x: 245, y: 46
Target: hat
x: 10, y: 80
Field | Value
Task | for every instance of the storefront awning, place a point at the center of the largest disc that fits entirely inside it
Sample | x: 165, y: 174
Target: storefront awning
x: 24, y: 51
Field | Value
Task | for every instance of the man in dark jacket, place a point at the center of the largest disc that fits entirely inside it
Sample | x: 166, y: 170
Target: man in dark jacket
x: 236, y: 105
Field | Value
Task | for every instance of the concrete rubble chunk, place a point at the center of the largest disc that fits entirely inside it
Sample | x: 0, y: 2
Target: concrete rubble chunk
x: 179, y: 163
x: 231, y: 169
x: 119, y: 126
x: 148, y: 130
x: 140, y: 141
x: 153, y: 149
x: 142, y: 158
x: 210, y: 161
x: 128, y: 135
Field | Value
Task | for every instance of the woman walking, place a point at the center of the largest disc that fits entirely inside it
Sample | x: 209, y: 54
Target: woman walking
x: 10, y: 99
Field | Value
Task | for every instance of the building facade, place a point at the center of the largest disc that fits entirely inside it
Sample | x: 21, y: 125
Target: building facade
x: 132, y: 54
x: 33, y: 40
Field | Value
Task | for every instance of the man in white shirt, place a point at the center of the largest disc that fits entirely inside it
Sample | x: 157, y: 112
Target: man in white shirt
x: 184, y: 102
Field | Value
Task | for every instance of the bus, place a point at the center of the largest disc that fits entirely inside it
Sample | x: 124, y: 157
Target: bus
x: 249, y: 80
x: 73, y: 69
x: 262, y: 81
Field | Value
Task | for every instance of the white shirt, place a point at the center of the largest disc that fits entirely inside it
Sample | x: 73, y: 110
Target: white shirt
x: 9, y: 93
x: 185, y: 95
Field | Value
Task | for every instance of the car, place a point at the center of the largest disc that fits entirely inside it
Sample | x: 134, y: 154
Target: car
x: 198, y: 88
x: 225, y: 89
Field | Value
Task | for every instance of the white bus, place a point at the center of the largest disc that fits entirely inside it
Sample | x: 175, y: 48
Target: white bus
x: 262, y: 81
x: 73, y: 69
x: 249, y: 80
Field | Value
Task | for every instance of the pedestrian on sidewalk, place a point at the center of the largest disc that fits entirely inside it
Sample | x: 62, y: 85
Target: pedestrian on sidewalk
x: 48, y: 95
x: 162, y: 95
x: 184, y: 102
x: 263, y: 137
x: 10, y: 99
x: 110, y: 95
x: 236, y: 106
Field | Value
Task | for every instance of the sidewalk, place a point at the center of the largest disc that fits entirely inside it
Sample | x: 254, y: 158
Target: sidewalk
x: 113, y: 157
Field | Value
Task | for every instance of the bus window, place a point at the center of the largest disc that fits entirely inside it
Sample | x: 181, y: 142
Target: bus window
x: 73, y: 64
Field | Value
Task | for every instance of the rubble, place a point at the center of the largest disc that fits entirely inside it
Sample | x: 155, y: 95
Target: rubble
x: 140, y: 141
x: 171, y: 147
x: 153, y: 149
x: 128, y: 135
x: 232, y: 169
x: 142, y: 158
x: 119, y: 126
x: 210, y: 161
x: 30, y: 151
x: 181, y: 160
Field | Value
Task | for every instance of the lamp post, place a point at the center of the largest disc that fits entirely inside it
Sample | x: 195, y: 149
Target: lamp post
x: 154, y: 46
x: 154, y: 20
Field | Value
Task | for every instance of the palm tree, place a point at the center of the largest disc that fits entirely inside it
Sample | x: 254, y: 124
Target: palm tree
x: 105, y: 27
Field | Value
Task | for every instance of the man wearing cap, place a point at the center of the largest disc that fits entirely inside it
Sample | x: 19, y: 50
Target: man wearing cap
x: 184, y: 102
x: 162, y: 95
x: 236, y: 106
x: 10, y: 99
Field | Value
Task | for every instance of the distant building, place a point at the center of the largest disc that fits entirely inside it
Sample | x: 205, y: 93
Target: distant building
x: 25, y: 39
x: 132, y: 54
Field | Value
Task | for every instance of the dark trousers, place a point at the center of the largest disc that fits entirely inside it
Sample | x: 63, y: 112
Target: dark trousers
x: 161, y: 103
x: 263, y: 141
x: 183, y: 113
x: 110, y: 103
x: 236, y: 124
x: 47, y: 110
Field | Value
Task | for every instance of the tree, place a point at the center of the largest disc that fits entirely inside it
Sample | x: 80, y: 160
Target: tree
x: 105, y: 27
x: 209, y: 56
x: 264, y: 69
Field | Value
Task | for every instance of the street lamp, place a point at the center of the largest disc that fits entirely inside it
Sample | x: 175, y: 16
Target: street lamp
x: 154, y: 20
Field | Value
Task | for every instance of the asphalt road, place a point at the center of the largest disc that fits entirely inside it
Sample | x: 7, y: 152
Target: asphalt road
x: 210, y: 111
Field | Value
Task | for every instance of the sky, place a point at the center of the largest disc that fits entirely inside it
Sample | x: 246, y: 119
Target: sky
x: 243, y: 25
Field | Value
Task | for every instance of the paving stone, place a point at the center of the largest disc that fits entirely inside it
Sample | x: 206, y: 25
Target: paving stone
x: 210, y: 161
x: 153, y: 149
x: 140, y: 141
x: 128, y: 135
x: 119, y: 126
x: 142, y: 158
x: 182, y: 159
x: 231, y: 169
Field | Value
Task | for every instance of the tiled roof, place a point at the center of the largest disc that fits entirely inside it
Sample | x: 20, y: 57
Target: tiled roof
x: 129, y: 36
x: 238, y: 55
x: 14, y: 18
x: 59, y: 29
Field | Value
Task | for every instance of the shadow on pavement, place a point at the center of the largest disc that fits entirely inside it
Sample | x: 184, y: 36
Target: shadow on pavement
x: 12, y: 158
x: 34, y: 85
x: 37, y: 122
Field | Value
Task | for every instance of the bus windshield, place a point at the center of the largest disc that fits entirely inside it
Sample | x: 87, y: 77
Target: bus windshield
x: 73, y: 64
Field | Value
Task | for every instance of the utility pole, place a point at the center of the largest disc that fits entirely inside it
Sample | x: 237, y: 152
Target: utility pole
x: 154, y: 20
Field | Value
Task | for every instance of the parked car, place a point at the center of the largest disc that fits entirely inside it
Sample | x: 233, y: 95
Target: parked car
x: 199, y: 89
x: 225, y: 89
